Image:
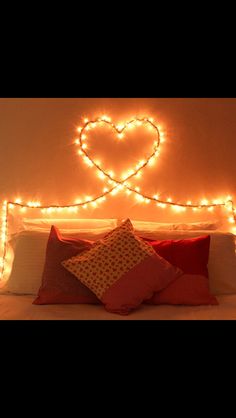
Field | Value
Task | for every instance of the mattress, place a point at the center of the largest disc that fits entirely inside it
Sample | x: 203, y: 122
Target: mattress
x: 14, y: 307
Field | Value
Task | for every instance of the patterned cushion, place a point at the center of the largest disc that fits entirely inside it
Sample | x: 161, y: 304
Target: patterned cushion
x: 122, y: 269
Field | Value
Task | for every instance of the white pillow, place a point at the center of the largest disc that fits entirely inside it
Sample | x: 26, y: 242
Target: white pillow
x: 30, y: 224
x: 222, y: 258
x: 29, y: 249
x: 145, y: 226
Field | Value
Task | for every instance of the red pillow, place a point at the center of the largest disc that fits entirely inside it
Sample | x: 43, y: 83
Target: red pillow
x: 58, y: 284
x: 190, y: 255
x: 122, y: 270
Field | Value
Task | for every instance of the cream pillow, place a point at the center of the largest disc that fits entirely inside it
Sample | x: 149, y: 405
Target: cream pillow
x: 146, y: 226
x: 29, y: 249
x: 36, y: 222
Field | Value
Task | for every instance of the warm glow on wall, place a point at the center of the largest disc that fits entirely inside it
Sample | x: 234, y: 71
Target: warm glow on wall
x: 114, y: 184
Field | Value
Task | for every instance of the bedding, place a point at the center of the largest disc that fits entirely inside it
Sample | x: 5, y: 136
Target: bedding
x: 21, y: 308
x: 58, y: 284
x: 29, y: 250
x: 222, y: 259
x: 145, y: 226
x: 191, y: 255
x: 38, y: 222
x: 122, y: 270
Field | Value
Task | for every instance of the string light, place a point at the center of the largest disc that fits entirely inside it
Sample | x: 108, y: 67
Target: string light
x: 117, y: 185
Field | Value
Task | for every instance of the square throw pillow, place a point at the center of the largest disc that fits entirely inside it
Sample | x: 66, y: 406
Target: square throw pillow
x: 122, y: 270
x: 59, y: 285
x: 192, y: 288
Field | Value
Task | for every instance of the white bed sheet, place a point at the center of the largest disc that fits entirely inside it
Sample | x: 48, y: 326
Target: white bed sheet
x: 20, y: 308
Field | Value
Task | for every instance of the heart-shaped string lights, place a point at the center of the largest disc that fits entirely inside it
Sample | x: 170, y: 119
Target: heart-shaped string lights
x: 119, y: 130
x: 116, y: 184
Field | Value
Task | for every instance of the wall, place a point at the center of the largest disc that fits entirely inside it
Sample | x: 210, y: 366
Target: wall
x: 38, y: 159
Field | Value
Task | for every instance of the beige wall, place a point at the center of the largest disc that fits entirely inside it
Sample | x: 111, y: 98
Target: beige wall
x: 38, y: 159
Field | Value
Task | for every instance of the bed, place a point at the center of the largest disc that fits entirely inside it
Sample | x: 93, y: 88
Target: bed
x: 21, y: 308
x: 30, y: 244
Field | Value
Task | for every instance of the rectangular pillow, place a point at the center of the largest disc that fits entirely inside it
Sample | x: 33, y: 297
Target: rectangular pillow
x: 36, y: 221
x: 222, y: 259
x: 58, y: 284
x: 122, y: 270
x: 29, y: 250
x: 192, y: 288
x: 146, y: 226
x: 67, y: 224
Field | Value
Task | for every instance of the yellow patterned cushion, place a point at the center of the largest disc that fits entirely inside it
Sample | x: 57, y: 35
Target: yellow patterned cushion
x: 109, y: 259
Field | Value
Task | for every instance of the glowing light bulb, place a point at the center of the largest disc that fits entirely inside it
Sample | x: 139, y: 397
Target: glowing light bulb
x: 151, y: 120
x: 79, y: 129
x: 18, y: 200
x: 120, y: 135
x: 86, y: 120
x: 120, y: 127
x: 83, y: 137
x: 231, y: 220
x: 101, y: 175
x: 155, y: 196
x: 84, y: 146
x: 189, y: 202
x: 105, y: 118
x: 77, y: 141
x: 204, y: 202
x: 210, y: 209
x: 114, y: 192
x: 169, y: 199
x: 130, y: 126
x: 139, y: 198
x: 152, y: 161
x: 105, y: 190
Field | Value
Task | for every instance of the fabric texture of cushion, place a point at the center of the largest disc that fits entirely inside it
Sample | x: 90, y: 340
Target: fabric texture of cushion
x: 145, y: 226
x: 222, y: 259
x: 28, y: 250
x: 192, y: 288
x: 68, y: 225
x: 122, y: 270
x: 58, y: 284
